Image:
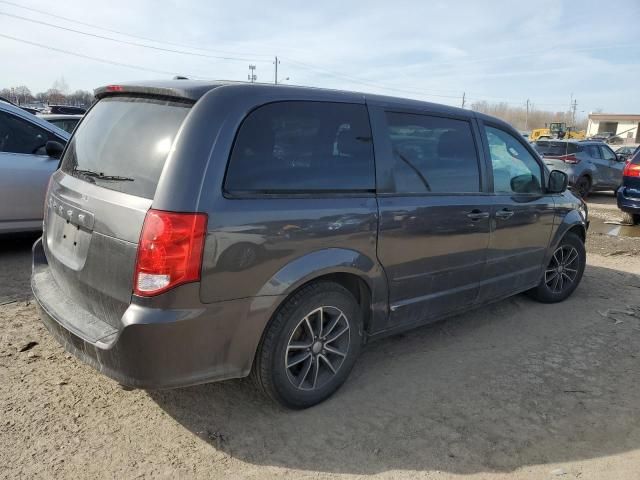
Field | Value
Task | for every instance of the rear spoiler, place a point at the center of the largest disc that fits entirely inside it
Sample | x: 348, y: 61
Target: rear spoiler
x: 185, y: 90
x: 112, y: 90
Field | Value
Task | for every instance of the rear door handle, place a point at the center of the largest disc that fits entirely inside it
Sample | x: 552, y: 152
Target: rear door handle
x: 477, y: 215
x: 504, y: 214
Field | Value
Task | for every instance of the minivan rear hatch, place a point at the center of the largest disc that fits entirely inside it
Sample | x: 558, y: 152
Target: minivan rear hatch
x: 98, y: 200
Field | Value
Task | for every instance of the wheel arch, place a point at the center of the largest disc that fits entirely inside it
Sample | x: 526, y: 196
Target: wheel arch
x: 572, y: 222
x: 362, y: 275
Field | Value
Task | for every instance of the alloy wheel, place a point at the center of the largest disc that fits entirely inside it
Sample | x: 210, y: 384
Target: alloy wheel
x: 317, y: 348
x: 562, y: 270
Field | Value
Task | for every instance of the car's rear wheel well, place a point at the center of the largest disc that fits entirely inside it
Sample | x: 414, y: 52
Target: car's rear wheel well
x: 588, y: 177
x: 354, y: 284
x: 357, y: 287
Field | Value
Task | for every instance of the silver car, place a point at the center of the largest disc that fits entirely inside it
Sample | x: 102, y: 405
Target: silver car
x: 591, y: 165
x: 25, y: 167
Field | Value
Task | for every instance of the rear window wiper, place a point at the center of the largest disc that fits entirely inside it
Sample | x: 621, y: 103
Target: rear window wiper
x: 102, y: 176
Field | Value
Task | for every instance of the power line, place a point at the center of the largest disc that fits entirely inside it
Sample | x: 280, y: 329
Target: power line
x: 88, y: 57
x: 320, y: 70
x: 330, y: 73
x: 294, y: 61
x: 126, y: 42
x: 119, y: 32
x: 164, y: 72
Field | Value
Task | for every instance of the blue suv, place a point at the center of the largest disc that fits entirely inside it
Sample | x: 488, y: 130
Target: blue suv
x: 591, y: 165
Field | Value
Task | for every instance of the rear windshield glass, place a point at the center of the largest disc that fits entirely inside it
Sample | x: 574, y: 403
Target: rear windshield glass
x: 544, y: 147
x: 123, y: 142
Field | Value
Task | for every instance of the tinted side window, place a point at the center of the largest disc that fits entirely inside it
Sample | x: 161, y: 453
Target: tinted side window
x: 20, y: 136
x: 303, y: 147
x: 433, y: 154
x: 514, y: 168
x: 593, y: 151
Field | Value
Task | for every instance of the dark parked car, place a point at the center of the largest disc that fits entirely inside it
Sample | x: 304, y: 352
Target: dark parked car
x: 629, y: 193
x: 66, y: 110
x: 65, y: 122
x: 200, y: 231
x: 626, y: 152
x: 591, y: 166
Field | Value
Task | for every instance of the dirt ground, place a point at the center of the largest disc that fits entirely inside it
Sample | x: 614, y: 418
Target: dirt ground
x: 514, y: 390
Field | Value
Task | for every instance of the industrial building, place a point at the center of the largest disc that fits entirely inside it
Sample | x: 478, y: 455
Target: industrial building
x: 622, y: 125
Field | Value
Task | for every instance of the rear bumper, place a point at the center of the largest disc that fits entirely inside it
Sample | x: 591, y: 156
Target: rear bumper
x: 154, y: 347
x: 629, y: 200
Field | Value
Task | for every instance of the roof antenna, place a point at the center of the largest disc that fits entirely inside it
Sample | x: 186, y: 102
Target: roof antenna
x: 180, y: 77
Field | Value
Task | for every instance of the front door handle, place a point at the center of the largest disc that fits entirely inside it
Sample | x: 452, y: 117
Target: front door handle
x: 477, y: 215
x: 504, y: 214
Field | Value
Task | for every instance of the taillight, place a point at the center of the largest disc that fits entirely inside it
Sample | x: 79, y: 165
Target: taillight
x: 571, y: 158
x: 114, y: 88
x: 631, y: 170
x: 169, y: 252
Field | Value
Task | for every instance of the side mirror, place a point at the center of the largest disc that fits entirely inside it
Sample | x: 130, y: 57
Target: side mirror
x: 558, y: 181
x: 526, y: 183
x: 54, y: 149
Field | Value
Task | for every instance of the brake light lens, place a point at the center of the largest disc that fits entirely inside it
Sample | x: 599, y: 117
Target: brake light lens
x: 570, y: 158
x: 169, y: 252
x: 631, y: 170
x: 114, y: 88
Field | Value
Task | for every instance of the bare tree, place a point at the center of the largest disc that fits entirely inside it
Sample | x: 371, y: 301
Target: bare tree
x: 22, y: 94
x: 518, y: 116
x: 80, y: 98
x: 54, y: 96
x: 61, y: 86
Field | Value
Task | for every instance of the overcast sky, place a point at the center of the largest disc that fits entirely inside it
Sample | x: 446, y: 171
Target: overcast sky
x: 432, y: 50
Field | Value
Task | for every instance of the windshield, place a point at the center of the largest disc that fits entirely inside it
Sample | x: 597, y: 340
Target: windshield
x: 123, y: 143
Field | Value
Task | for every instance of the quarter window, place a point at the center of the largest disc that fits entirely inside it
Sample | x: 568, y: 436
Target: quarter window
x: 433, y: 154
x: 515, y: 170
x: 20, y: 136
x: 298, y: 147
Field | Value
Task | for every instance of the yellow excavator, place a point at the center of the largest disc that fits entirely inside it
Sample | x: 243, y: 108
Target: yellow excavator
x: 556, y: 130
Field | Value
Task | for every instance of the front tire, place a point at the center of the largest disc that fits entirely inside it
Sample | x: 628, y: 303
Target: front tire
x: 563, y: 273
x: 310, y: 346
x: 630, y: 219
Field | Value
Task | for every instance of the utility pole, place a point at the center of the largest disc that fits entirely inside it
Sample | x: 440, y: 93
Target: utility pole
x: 464, y: 94
x: 252, y: 77
x: 275, y: 79
x: 573, y: 113
x: 526, y: 118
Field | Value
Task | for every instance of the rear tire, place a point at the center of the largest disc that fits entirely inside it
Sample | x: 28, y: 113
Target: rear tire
x: 583, y: 187
x: 563, y: 273
x: 310, y: 346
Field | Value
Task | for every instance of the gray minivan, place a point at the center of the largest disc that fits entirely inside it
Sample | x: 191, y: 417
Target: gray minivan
x: 201, y: 231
